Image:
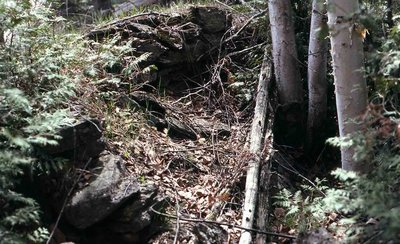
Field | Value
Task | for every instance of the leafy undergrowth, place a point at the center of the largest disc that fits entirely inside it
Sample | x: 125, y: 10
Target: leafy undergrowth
x: 201, y: 178
x: 195, y: 174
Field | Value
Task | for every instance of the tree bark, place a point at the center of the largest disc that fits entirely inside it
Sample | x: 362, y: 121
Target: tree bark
x: 256, y: 146
x: 284, y: 52
x: 264, y: 203
x: 289, y: 126
x: 316, y: 74
x: 1, y: 37
x: 350, y: 85
x: 389, y: 14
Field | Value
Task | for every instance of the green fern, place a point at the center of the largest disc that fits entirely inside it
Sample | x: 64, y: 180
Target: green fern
x: 304, y: 208
x: 37, y: 77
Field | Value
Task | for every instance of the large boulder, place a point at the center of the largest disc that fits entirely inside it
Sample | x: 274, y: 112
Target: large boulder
x: 179, y: 45
x: 112, y: 187
x: 136, y: 222
x: 79, y: 142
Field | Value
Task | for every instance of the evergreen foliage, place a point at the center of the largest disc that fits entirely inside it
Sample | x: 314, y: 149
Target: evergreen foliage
x: 36, y: 81
x: 368, y: 203
x: 374, y: 195
x: 39, y: 74
x: 305, y: 208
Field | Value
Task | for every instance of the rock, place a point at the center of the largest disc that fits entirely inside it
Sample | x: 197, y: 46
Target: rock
x: 180, y: 129
x: 211, y: 19
x: 79, y: 142
x: 209, y: 234
x: 104, y: 195
x: 179, y: 45
x: 144, y: 101
x: 197, y: 233
x: 134, y: 222
x: 207, y: 129
x: 136, y: 214
x: 320, y: 235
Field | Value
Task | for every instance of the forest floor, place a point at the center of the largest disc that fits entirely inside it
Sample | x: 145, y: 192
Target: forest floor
x: 202, y: 177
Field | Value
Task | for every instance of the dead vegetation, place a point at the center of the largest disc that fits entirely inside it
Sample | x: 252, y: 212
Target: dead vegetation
x: 185, y: 127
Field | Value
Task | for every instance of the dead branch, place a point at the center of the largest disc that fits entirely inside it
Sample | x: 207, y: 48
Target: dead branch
x: 223, y: 224
x: 256, y: 145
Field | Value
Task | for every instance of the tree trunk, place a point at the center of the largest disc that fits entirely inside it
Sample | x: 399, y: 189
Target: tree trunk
x: 350, y: 85
x: 256, y: 146
x: 289, y: 126
x: 389, y: 14
x: 317, y: 83
x: 1, y: 37
x: 284, y: 52
x: 263, y: 209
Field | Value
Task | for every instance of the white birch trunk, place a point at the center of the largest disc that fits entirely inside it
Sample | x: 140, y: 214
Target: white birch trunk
x: 256, y: 145
x: 316, y: 74
x: 284, y: 52
x: 348, y: 64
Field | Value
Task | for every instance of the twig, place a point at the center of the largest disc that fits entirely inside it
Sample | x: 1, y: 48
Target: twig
x: 188, y: 95
x: 245, y: 25
x: 245, y: 50
x: 188, y: 149
x: 226, y: 5
x: 224, y: 224
x: 177, y: 221
x: 236, y: 34
x: 66, y: 200
x: 300, y: 175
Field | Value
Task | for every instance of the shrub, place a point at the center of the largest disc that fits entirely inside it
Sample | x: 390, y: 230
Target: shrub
x: 37, y: 77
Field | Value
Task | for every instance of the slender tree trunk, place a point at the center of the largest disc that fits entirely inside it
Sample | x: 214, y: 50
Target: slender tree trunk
x: 350, y: 85
x: 1, y: 36
x: 256, y: 146
x: 389, y: 14
x: 284, y: 52
x: 289, y: 126
x: 317, y: 83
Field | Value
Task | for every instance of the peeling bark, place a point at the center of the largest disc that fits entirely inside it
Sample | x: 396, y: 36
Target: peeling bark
x: 256, y: 146
x: 264, y: 195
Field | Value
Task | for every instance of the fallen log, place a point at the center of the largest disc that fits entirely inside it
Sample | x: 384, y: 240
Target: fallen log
x: 257, y: 134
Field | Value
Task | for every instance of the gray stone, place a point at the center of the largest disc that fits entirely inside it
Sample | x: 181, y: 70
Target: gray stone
x: 136, y: 214
x: 211, y: 19
x: 178, y: 44
x: 104, y: 195
x: 79, y: 142
x: 209, y: 233
x: 320, y: 235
